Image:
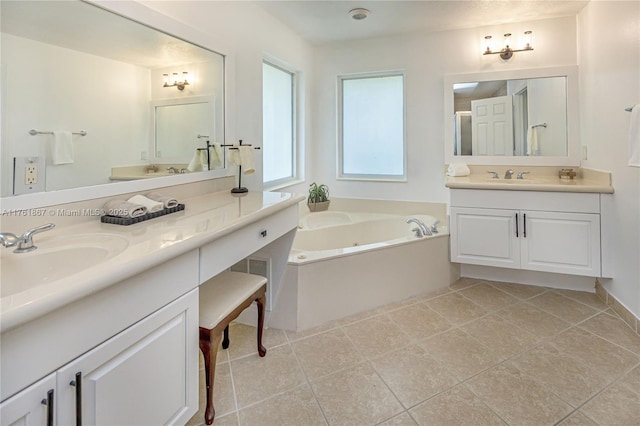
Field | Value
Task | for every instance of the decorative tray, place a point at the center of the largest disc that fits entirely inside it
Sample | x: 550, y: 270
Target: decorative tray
x: 116, y: 220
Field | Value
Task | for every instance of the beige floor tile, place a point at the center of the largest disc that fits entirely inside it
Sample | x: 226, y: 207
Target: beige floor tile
x: 456, y: 308
x: 228, y: 420
x: 413, y: 375
x: 403, y: 419
x: 533, y: 320
x: 590, y: 299
x: 504, y: 337
x: 631, y: 380
x: 617, y: 405
x: 433, y: 294
x: 326, y: 353
x: 521, y: 291
x: 458, y: 406
x: 614, y: 330
x: 376, y: 336
x: 488, y: 297
x: 419, y: 321
x: 258, y: 378
x: 399, y: 305
x: 242, y: 339
x: 464, y: 282
x: 293, y: 335
x: 577, y: 419
x: 461, y: 354
x: 356, y: 396
x: 563, y: 307
x: 563, y: 374
x: 517, y: 398
x: 295, y: 407
x: 361, y: 316
x: 608, y: 360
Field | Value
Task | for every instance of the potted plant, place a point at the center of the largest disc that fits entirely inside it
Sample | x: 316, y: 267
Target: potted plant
x: 318, y: 199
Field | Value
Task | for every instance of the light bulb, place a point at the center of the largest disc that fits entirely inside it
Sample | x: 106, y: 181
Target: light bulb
x: 165, y: 79
x: 507, y: 40
x: 185, y: 77
x: 528, y: 39
x: 488, y: 43
x: 175, y: 77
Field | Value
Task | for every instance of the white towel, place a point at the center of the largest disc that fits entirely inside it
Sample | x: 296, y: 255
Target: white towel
x: 122, y: 208
x: 216, y: 156
x: 62, y: 148
x: 458, y: 169
x: 195, y: 165
x: 151, y: 205
x: 243, y: 156
x: 166, y: 200
x: 634, y: 137
x: 532, y: 141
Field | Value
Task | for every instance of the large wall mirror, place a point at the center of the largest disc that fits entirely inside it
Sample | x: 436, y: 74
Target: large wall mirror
x: 514, y: 117
x: 74, y: 66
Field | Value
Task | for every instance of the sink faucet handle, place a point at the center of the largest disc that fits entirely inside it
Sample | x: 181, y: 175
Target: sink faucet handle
x: 494, y: 174
x: 522, y: 173
x: 8, y: 239
x: 25, y: 243
x: 434, y: 227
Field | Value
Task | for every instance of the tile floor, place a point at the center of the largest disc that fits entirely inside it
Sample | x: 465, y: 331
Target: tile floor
x: 478, y: 353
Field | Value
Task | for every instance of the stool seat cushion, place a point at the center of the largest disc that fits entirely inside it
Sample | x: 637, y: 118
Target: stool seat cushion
x: 223, y: 293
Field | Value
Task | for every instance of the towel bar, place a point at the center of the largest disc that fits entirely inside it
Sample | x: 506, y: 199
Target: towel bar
x: 34, y: 132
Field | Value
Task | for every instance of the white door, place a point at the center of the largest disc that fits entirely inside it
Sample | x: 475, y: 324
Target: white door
x: 492, y: 122
x: 485, y: 237
x: 566, y: 243
x: 146, y: 375
x: 34, y: 405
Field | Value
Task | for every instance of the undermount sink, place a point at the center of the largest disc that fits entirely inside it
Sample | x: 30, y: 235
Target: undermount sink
x: 56, y: 258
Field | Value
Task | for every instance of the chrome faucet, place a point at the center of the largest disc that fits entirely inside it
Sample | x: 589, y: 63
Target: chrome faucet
x: 520, y: 174
x: 172, y: 170
x: 434, y: 227
x: 494, y: 175
x: 422, y: 229
x: 508, y: 174
x: 25, y: 242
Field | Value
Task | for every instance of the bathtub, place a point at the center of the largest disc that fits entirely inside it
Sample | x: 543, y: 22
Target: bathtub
x: 342, y: 263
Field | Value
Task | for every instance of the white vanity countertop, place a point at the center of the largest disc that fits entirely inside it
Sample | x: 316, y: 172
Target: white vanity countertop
x: 543, y: 179
x: 147, y: 244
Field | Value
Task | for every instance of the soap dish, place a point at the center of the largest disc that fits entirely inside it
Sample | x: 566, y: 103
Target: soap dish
x: 116, y: 220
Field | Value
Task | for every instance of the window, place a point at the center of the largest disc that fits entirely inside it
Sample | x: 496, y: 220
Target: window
x: 278, y: 124
x: 372, y: 127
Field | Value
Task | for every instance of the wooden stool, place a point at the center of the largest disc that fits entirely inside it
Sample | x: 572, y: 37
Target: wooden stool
x: 222, y: 299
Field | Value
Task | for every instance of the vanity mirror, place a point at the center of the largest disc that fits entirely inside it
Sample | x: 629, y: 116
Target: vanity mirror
x: 75, y: 66
x: 526, y: 117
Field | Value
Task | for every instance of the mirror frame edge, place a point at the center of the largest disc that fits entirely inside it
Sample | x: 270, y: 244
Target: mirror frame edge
x: 573, y: 117
x: 149, y: 17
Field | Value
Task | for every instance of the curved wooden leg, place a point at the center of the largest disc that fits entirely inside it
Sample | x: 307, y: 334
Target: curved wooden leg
x: 206, y: 346
x: 225, y: 341
x: 262, y: 351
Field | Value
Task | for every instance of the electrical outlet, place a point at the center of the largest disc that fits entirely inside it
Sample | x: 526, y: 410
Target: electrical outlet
x: 31, y: 175
x: 28, y: 175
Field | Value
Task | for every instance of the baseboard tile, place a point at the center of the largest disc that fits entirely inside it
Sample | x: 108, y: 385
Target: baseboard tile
x: 628, y: 317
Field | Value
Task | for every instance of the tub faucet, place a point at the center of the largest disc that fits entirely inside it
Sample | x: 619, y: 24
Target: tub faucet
x: 25, y: 242
x: 508, y: 174
x: 422, y: 229
x: 434, y: 227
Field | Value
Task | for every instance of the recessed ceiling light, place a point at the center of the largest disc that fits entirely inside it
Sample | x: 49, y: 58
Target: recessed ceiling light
x: 359, y: 13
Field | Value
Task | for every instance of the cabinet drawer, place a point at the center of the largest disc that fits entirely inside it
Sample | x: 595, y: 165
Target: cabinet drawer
x: 527, y: 200
x: 216, y: 256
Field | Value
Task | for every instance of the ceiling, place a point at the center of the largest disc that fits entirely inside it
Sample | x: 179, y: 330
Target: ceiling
x: 328, y: 21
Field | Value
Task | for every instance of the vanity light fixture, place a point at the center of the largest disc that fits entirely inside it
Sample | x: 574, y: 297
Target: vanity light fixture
x: 507, y: 51
x: 174, y: 80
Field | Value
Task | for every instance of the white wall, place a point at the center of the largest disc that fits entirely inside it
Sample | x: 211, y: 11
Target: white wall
x: 65, y: 99
x: 426, y: 58
x: 609, y: 59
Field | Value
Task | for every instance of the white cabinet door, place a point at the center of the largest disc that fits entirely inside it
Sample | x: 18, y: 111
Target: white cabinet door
x: 34, y: 405
x: 146, y: 375
x: 485, y: 237
x: 566, y: 243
